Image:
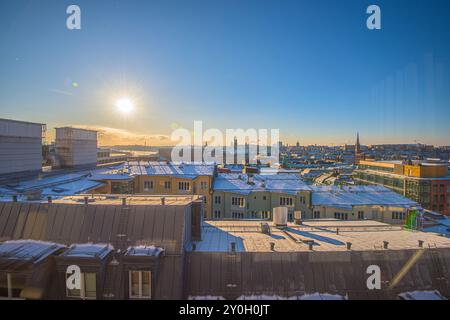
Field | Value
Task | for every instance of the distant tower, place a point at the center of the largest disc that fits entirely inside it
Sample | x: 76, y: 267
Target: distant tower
x: 358, y: 154
x: 235, y: 150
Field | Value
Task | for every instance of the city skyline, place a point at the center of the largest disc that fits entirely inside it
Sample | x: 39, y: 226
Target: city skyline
x: 312, y: 70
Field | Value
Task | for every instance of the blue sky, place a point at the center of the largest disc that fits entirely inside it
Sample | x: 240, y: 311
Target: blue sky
x: 310, y: 68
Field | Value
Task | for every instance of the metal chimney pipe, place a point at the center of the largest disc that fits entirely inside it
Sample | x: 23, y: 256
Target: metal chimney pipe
x: 310, y: 245
x: 349, y: 246
x: 272, y: 246
x: 420, y: 243
x: 163, y: 201
x: 194, y: 246
x: 337, y: 230
x: 124, y: 201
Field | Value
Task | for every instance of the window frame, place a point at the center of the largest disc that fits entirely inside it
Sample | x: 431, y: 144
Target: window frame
x: 140, y: 285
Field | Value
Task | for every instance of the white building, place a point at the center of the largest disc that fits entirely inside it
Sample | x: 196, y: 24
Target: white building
x: 76, y: 147
x: 20, y: 146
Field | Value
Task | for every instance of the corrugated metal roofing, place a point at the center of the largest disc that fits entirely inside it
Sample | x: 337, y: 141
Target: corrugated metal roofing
x: 88, y: 250
x: 33, y: 251
x: 157, y: 225
x: 146, y: 251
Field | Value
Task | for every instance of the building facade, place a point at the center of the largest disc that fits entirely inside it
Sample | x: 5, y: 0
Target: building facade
x: 425, y: 183
x: 20, y: 147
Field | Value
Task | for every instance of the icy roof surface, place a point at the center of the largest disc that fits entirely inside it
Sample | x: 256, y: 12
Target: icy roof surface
x: 239, y: 183
x: 365, y: 235
x: 347, y: 197
x: 31, y: 250
x: 422, y: 295
x: 88, y: 250
x: 145, y: 251
x: 191, y: 170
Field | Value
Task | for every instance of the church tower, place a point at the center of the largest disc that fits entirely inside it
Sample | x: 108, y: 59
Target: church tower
x: 358, y: 154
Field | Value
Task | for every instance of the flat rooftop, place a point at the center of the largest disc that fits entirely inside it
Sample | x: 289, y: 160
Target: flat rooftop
x: 365, y: 235
x: 116, y: 200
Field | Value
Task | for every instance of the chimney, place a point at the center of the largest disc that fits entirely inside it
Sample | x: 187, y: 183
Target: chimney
x: 385, y: 244
x: 49, y: 199
x: 310, y: 245
x: 233, y: 247
x: 420, y: 243
x: 349, y: 246
x: 272, y: 246
x: 86, y: 200
x: 14, y: 198
x: 337, y: 230
x: 163, y: 201
x: 124, y: 201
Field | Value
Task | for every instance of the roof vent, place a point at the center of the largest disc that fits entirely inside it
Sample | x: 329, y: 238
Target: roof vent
x: 385, y: 244
x: 86, y: 200
x: 233, y: 246
x: 272, y: 246
x: 194, y: 246
x: 280, y: 216
x: 420, y: 243
x: 298, y: 217
x: 124, y: 201
x: 14, y: 197
x: 163, y: 201
x: 349, y: 246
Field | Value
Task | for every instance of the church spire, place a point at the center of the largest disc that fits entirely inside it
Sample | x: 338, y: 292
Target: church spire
x: 357, y: 146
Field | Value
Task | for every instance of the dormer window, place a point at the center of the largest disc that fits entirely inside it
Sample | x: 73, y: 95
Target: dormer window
x: 140, y: 284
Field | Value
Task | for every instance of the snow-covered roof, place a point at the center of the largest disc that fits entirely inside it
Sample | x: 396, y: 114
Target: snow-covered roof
x: 144, y: 251
x: 349, y: 196
x: 245, y: 184
x: 422, y: 295
x: 29, y: 250
x: 88, y: 250
x: 151, y: 168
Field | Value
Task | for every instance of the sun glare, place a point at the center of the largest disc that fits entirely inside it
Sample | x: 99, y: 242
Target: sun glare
x: 125, y: 105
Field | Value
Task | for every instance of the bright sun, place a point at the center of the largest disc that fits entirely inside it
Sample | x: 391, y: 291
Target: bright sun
x: 125, y: 105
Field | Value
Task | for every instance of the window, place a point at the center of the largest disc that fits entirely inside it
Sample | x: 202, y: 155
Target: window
x: 185, y: 186
x: 203, y: 185
x: 302, y: 199
x: 265, y: 215
x: 341, y: 216
x: 88, y: 288
x: 216, y: 214
x: 286, y: 201
x: 167, y: 185
x: 148, y: 185
x: 237, y: 215
x: 442, y: 188
x: 398, y: 215
x: 217, y: 199
x: 140, y: 284
x: 264, y: 198
x: 12, y: 284
x: 361, y: 215
x: 237, y: 201
x: 316, y: 214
